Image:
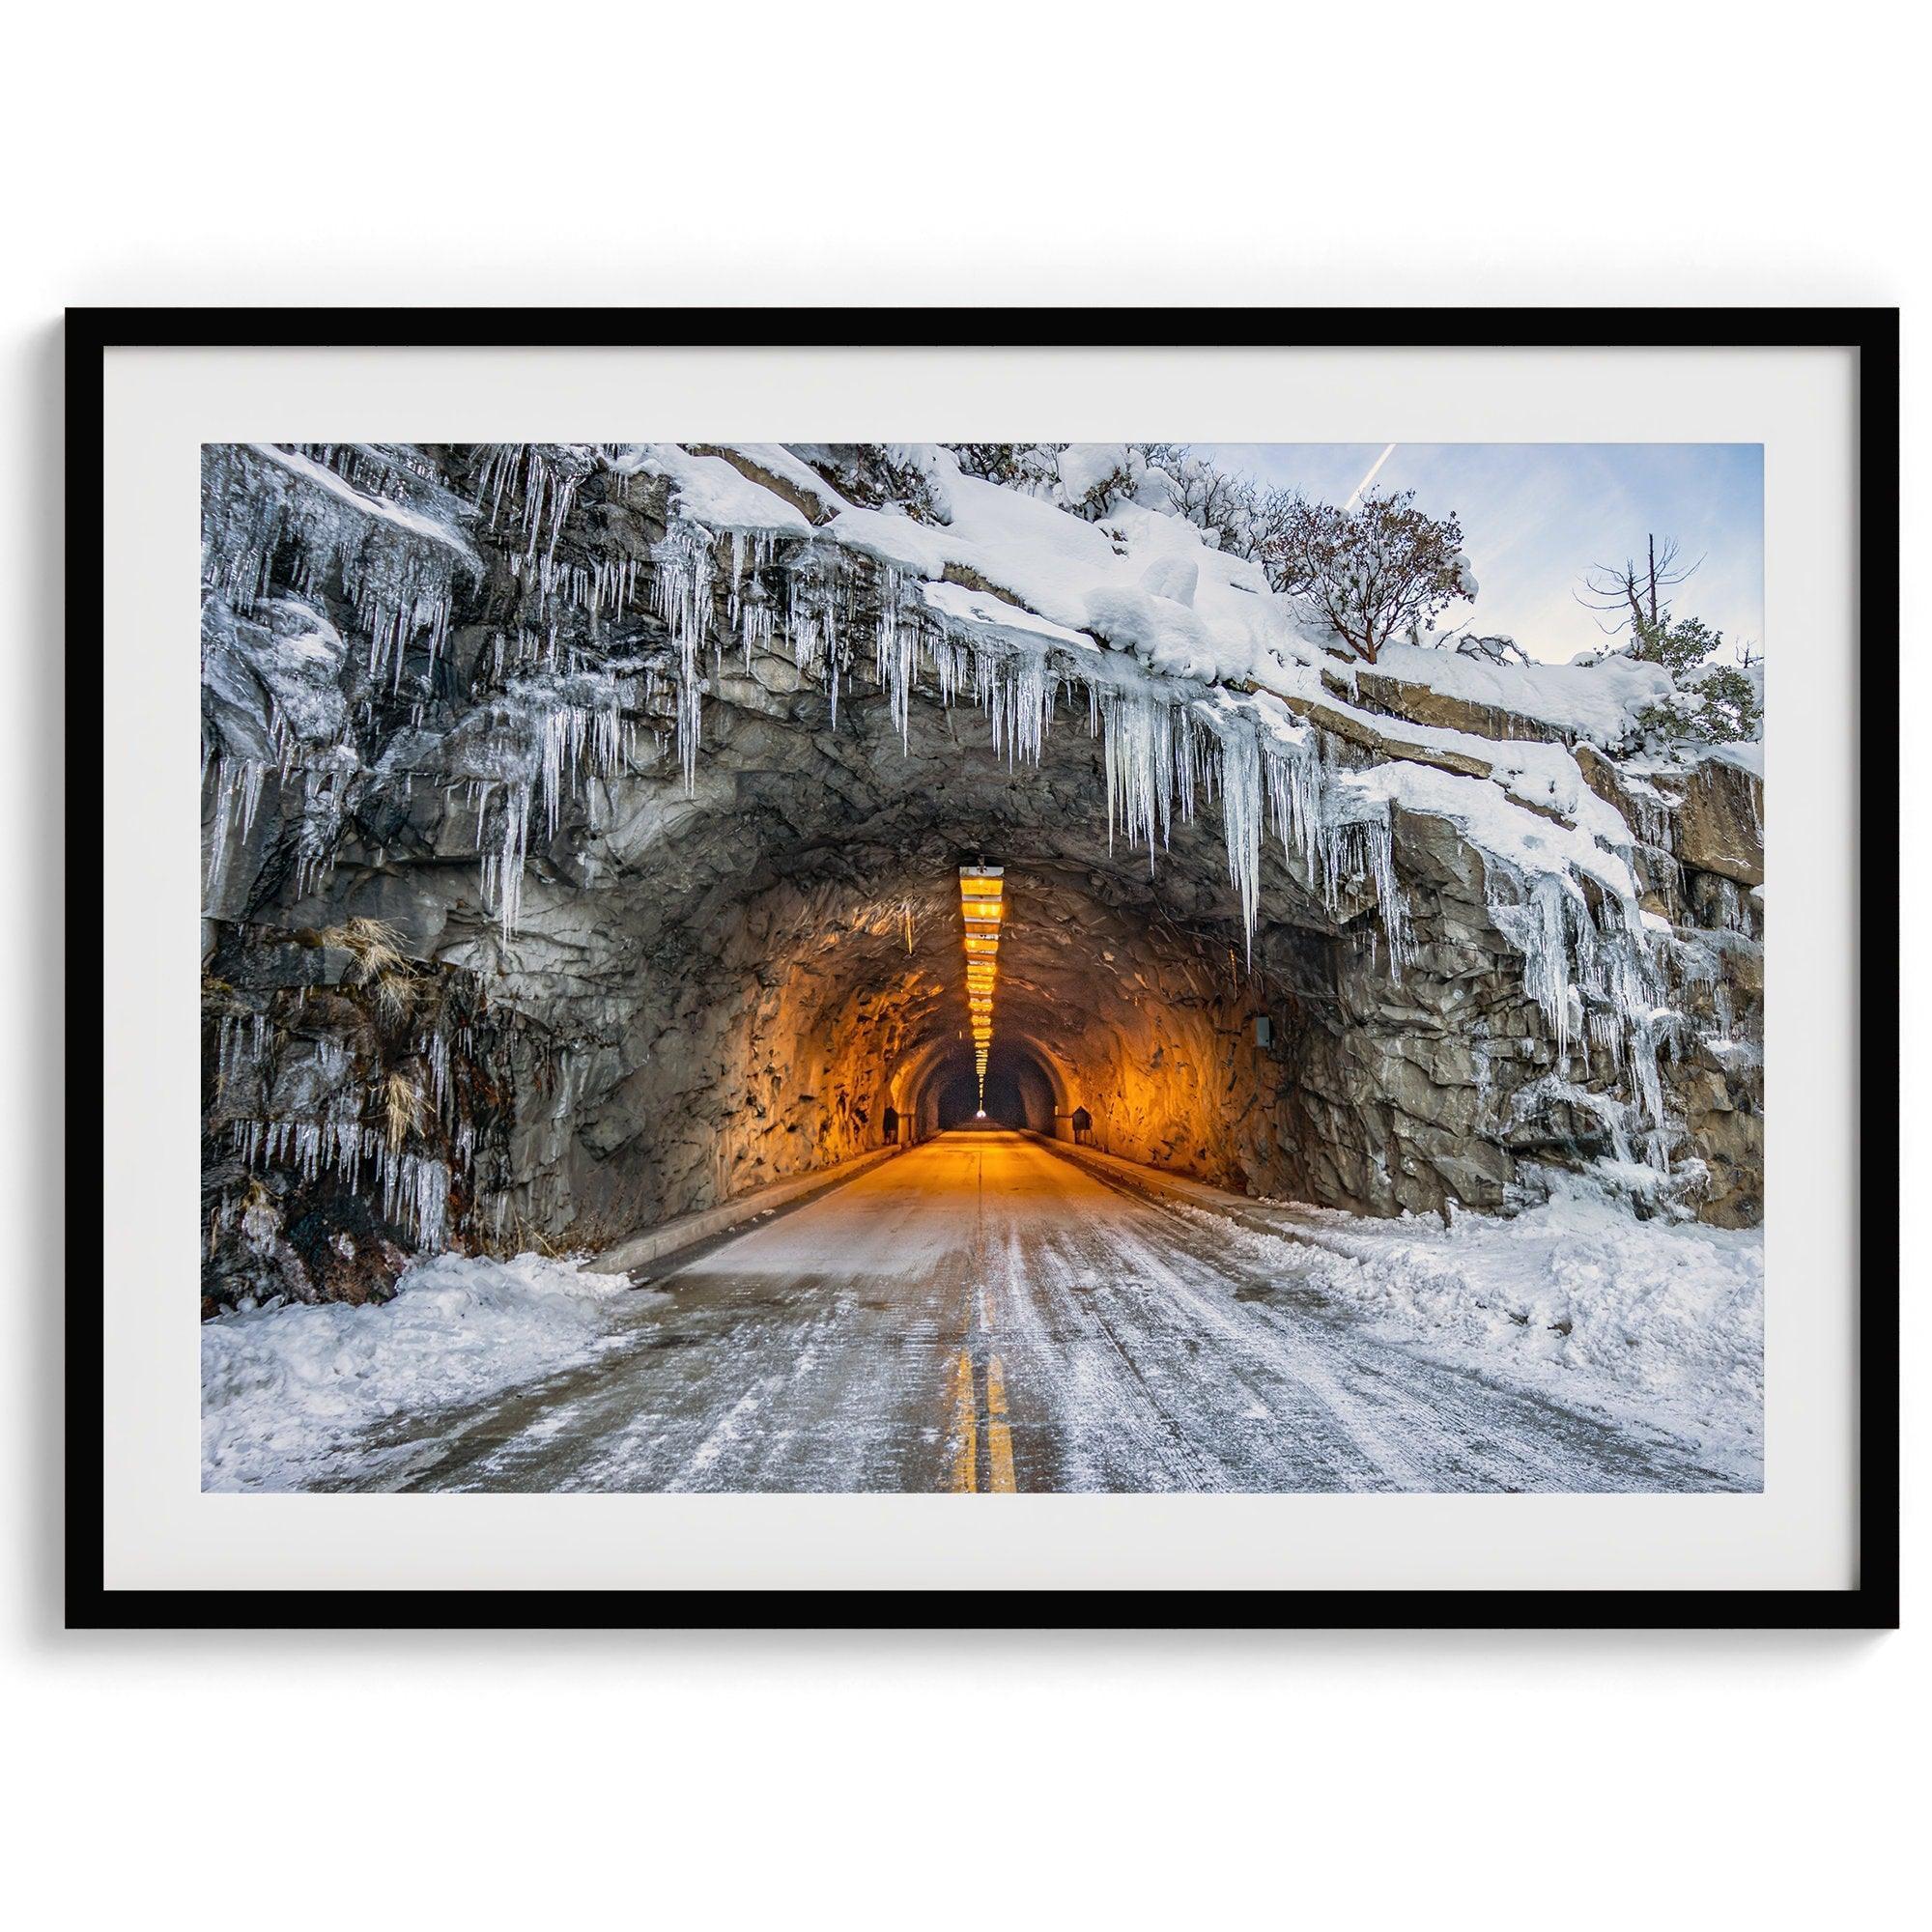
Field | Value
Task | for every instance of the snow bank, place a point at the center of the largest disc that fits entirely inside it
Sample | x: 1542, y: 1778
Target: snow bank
x: 1651, y: 1322
x: 1032, y: 553
x: 1486, y: 816
x: 1141, y: 578
x: 1747, y: 756
x: 285, y: 1390
x: 711, y: 491
x: 1597, y: 702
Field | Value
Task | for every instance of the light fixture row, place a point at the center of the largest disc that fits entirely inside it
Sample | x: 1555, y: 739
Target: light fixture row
x: 981, y: 908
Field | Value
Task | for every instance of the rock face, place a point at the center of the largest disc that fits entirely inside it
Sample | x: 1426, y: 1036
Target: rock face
x: 1417, y: 704
x: 540, y: 908
x: 1721, y: 823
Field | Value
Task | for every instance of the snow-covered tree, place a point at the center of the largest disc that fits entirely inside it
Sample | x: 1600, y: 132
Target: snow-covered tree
x: 1675, y: 643
x: 1030, y: 467
x: 1376, y: 571
x: 1714, y: 703
x: 1097, y: 477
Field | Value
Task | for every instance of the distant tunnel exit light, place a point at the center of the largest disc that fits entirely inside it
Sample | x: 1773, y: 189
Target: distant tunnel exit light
x: 981, y: 908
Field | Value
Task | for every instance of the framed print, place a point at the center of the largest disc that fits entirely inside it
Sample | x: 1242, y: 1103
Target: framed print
x: 1276, y: 981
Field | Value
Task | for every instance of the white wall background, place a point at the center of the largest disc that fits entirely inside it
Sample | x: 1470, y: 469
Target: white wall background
x: 844, y: 152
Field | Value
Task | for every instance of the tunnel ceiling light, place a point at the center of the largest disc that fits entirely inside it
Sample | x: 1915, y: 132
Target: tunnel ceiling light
x: 982, y: 910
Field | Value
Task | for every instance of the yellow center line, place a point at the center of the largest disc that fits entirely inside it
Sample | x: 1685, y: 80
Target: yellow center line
x: 965, y: 1429
x: 999, y: 1437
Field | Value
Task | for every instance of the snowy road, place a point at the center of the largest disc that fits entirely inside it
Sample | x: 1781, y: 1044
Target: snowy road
x: 982, y: 1314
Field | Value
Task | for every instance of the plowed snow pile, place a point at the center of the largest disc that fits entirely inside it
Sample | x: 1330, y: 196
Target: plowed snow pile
x: 284, y: 1389
x: 1650, y: 1322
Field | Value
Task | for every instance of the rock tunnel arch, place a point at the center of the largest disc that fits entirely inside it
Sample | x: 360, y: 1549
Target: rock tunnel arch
x: 776, y: 963
x: 735, y: 985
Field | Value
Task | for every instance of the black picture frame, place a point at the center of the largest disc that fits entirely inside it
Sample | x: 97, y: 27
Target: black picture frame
x: 1873, y: 333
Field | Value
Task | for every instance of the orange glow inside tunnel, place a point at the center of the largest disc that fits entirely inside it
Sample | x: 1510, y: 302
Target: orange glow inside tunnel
x: 982, y: 910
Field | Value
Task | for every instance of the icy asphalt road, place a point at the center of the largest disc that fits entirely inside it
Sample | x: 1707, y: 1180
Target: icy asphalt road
x: 980, y: 1314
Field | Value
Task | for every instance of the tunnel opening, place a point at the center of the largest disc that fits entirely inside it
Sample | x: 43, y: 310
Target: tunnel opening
x: 1019, y: 1092
x: 957, y: 1103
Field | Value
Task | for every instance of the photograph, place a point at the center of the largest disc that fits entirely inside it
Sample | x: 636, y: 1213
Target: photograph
x: 1057, y: 968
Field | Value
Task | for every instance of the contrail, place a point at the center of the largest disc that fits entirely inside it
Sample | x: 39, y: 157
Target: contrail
x: 1370, y: 477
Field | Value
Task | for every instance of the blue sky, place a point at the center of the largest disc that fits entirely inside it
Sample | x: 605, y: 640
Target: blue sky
x: 1536, y: 516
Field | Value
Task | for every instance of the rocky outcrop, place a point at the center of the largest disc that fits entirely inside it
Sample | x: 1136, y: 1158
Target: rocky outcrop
x: 1720, y: 822
x: 1418, y: 704
x: 571, y: 865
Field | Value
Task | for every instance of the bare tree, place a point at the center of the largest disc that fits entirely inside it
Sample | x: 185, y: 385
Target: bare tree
x: 1633, y: 592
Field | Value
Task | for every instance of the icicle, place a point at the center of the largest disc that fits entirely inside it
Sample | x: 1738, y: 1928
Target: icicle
x: 896, y: 650
x: 1241, y: 820
x: 1138, y: 740
x: 682, y: 594
x: 238, y: 783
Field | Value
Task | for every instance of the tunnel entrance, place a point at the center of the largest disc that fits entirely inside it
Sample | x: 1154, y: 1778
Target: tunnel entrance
x: 958, y: 1101
x: 1020, y: 1090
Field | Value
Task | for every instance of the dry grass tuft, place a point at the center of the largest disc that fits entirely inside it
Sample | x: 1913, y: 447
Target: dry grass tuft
x: 375, y: 947
x: 402, y: 1107
x: 217, y: 996
x: 392, y: 994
